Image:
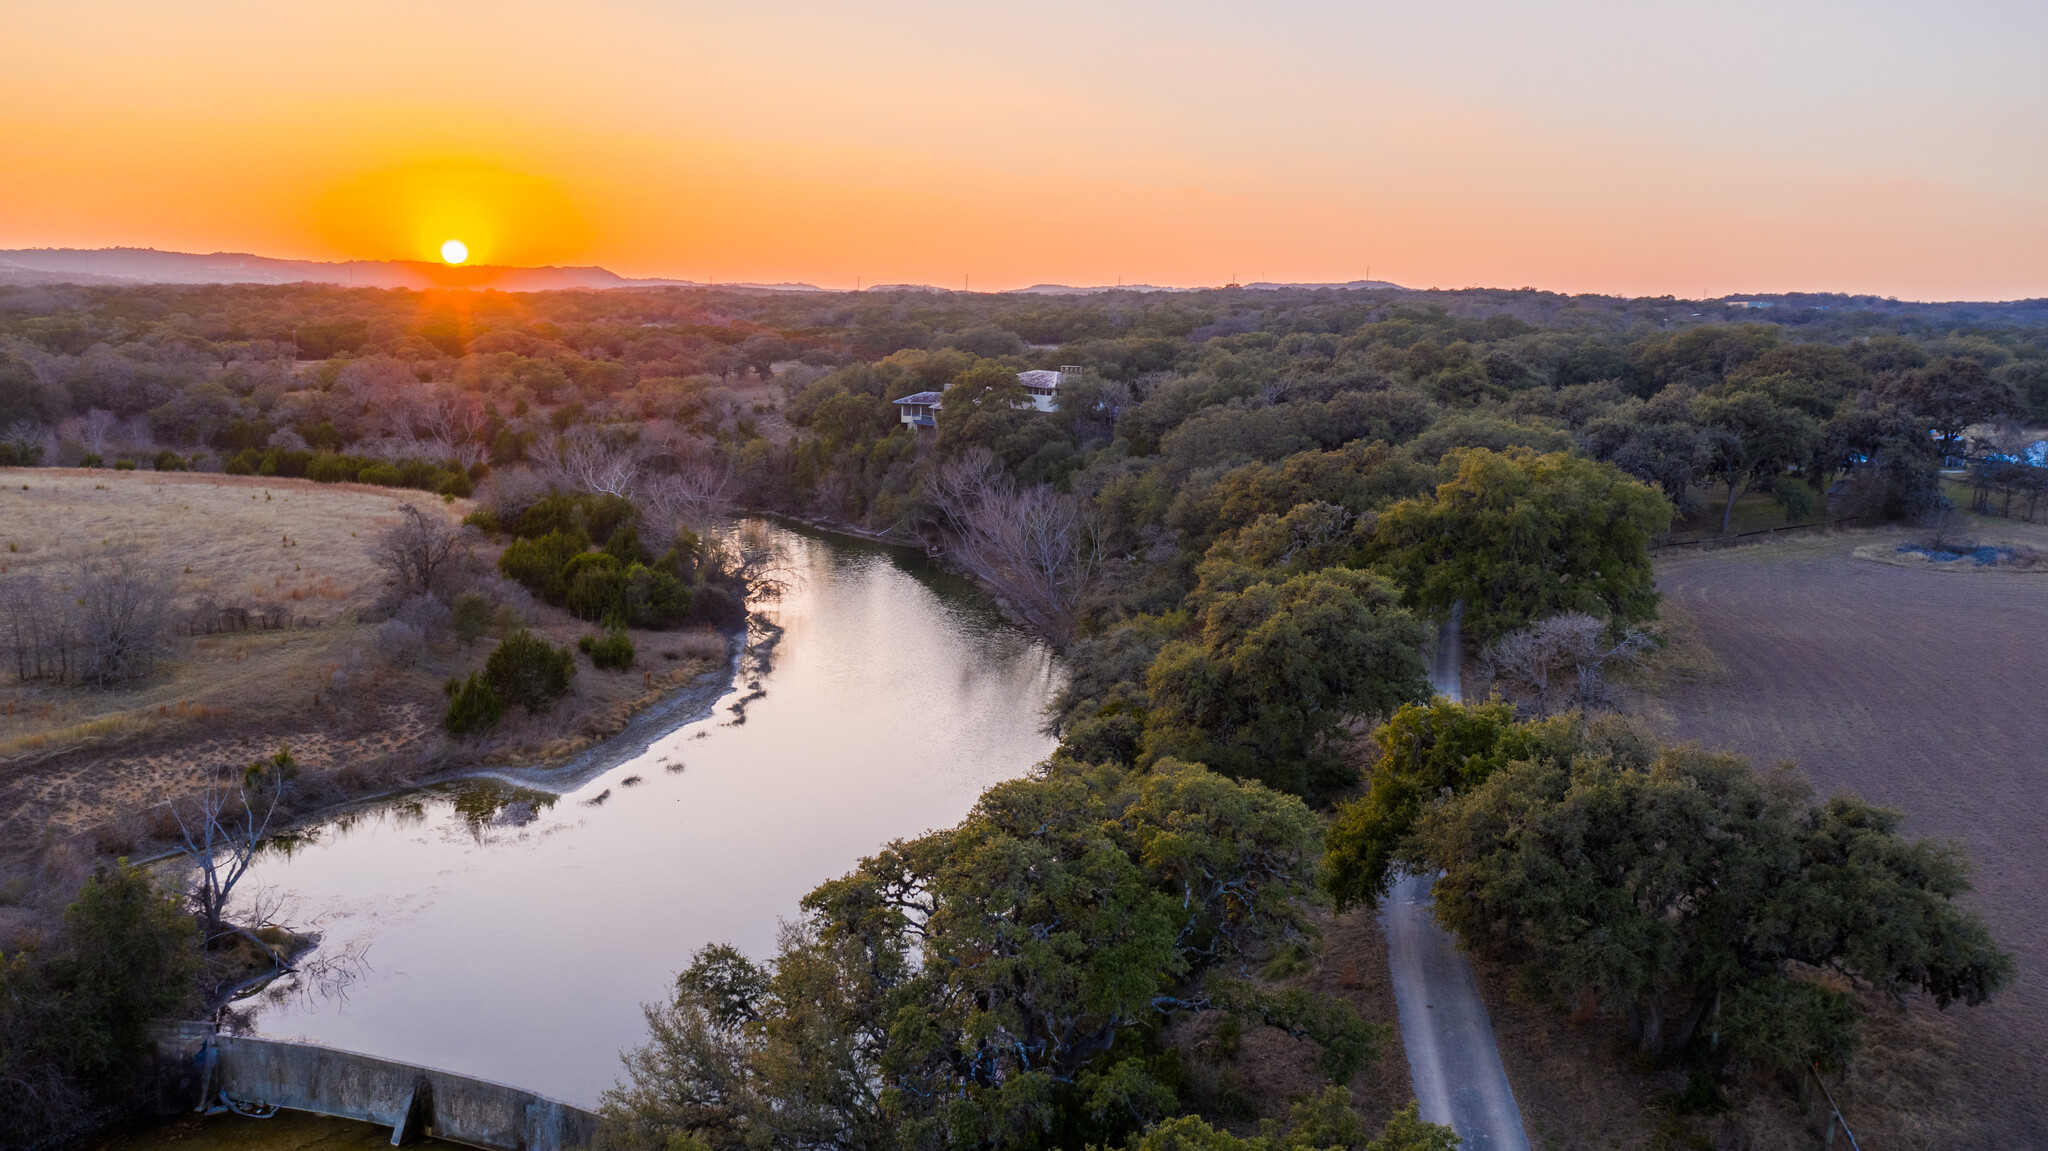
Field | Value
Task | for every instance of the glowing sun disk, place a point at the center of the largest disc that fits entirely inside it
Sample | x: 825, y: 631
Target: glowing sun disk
x: 455, y: 251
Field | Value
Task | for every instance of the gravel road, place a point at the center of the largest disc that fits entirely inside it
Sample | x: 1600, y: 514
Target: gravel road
x: 1451, y: 1051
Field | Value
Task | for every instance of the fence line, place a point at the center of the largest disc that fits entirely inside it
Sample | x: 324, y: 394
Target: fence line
x: 1770, y: 531
x: 1835, y: 1117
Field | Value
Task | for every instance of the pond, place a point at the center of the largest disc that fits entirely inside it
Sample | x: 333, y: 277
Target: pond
x: 514, y: 935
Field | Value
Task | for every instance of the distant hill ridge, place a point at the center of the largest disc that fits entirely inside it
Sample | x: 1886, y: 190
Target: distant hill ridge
x: 109, y: 266
x: 150, y: 266
x: 24, y: 267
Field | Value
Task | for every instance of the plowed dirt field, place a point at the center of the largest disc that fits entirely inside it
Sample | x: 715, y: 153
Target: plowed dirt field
x: 1922, y: 689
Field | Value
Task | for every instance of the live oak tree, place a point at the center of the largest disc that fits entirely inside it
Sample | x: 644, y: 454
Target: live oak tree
x: 1718, y: 909
x: 1950, y: 395
x: 1276, y: 668
x: 1001, y: 984
x: 1518, y: 536
x: 1424, y: 751
x: 1751, y: 439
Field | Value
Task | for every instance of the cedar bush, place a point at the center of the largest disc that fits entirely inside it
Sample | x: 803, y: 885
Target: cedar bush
x: 529, y: 671
x: 470, y: 616
x: 74, y: 1017
x: 613, y: 651
x: 472, y: 706
x: 540, y: 563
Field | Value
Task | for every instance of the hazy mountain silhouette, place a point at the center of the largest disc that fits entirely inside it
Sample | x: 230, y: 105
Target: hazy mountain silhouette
x: 149, y: 266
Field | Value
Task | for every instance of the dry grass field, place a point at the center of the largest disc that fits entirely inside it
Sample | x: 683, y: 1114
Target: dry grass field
x: 76, y: 760
x: 71, y: 755
x: 1923, y: 688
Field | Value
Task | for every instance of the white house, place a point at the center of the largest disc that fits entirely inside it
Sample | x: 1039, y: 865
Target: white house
x: 917, y: 411
x: 1041, y: 385
x: 1044, y: 388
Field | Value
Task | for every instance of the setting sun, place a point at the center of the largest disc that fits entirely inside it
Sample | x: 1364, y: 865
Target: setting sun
x: 455, y: 251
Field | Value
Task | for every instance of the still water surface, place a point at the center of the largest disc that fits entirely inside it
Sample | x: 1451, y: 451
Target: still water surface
x: 522, y: 953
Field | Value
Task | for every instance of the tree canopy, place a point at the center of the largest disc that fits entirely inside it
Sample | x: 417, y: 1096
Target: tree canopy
x: 1708, y: 903
x: 1517, y: 536
x: 1000, y: 984
x: 1277, y: 668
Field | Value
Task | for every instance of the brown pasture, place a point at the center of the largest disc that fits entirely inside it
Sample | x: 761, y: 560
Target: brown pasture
x: 73, y: 755
x: 1921, y: 688
x: 77, y: 759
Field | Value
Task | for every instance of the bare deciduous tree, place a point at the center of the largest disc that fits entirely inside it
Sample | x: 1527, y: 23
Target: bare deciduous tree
x: 135, y: 434
x: 220, y: 830
x: 455, y: 422
x: 416, y: 551
x: 37, y: 626
x: 26, y: 435
x: 586, y: 462
x: 1567, y: 654
x: 96, y: 428
x: 1945, y: 524
x: 694, y: 492
x: 107, y: 626
x: 1035, y: 545
x: 120, y: 612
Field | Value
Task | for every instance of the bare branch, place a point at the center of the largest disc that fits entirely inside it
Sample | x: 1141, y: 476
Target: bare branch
x: 416, y: 551
x: 1568, y: 653
x: 588, y: 463
x: 1036, y: 546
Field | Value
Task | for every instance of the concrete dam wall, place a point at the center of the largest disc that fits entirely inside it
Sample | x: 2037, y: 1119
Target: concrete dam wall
x: 412, y: 1101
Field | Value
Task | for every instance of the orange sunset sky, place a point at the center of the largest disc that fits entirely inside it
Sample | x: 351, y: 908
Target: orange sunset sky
x: 1630, y: 147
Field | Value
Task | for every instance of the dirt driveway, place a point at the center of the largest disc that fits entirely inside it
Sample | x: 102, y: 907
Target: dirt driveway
x: 1925, y: 690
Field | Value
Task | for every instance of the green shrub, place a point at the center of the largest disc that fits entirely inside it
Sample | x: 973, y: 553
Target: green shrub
x: 131, y: 962
x: 455, y: 482
x: 624, y: 546
x: 472, y: 706
x: 90, y: 460
x: 74, y: 1021
x: 380, y: 473
x: 243, y: 463
x: 613, y: 652
x: 276, y: 771
x: 16, y: 456
x: 605, y: 514
x: 655, y: 599
x: 1794, y: 496
x: 470, y: 616
x: 124, y: 465
x: 328, y: 468
x: 551, y: 515
x: 170, y: 461
x: 290, y: 464
x: 482, y: 519
x: 529, y: 671
x: 597, y: 586
x: 710, y: 603
x: 538, y: 563
x: 425, y: 475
